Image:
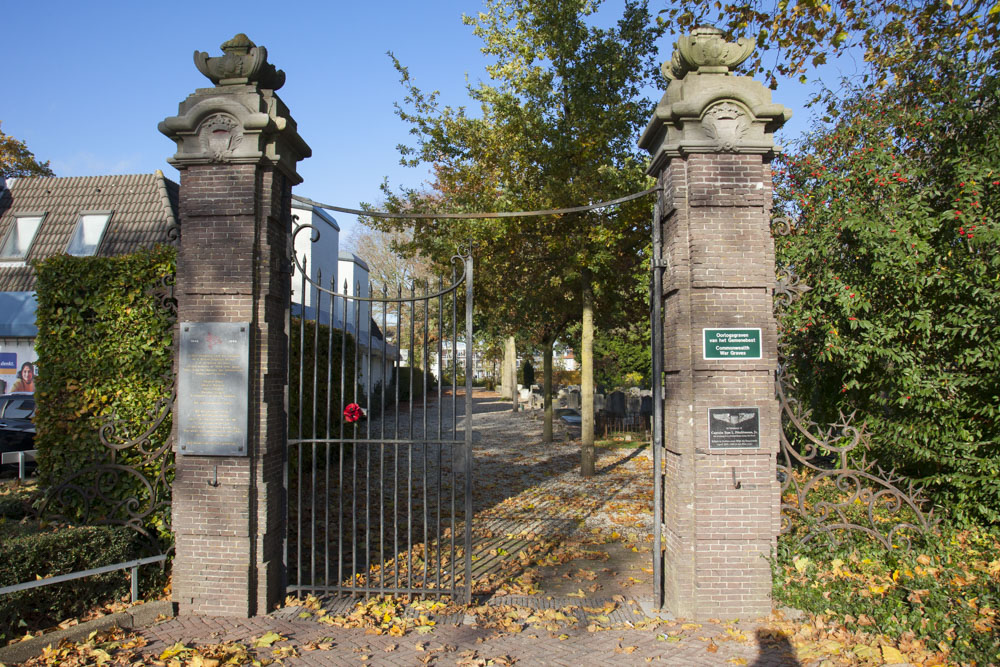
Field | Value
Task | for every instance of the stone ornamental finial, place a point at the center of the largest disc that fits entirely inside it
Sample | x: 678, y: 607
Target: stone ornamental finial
x: 706, y: 52
x: 243, y: 63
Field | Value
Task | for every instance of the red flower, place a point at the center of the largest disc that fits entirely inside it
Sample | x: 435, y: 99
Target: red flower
x: 352, y: 413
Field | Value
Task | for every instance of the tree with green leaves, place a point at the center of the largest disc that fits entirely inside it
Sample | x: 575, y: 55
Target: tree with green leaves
x: 556, y: 128
x: 896, y: 201
x: 16, y: 160
x: 793, y: 36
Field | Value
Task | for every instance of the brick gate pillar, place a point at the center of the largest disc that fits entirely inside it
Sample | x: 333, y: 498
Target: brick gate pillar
x: 237, y: 150
x: 711, y: 139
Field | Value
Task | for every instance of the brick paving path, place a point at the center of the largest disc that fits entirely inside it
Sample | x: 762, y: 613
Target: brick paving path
x: 528, y: 496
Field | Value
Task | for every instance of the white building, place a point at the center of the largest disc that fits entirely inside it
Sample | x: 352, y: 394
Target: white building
x: 478, y: 370
x: 317, y: 247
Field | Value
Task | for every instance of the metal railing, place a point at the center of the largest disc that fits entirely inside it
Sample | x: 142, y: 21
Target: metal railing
x: 60, y: 578
x: 20, y: 458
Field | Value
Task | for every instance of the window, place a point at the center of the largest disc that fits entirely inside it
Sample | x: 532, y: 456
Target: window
x: 18, y: 408
x: 88, y: 234
x: 22, y: 233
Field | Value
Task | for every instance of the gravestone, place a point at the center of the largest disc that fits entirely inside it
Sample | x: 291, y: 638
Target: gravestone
x: 561, y: 398
x: 633, y: 402
x: 616, y: 404
x: 573, y: 399
x: 646, y: 406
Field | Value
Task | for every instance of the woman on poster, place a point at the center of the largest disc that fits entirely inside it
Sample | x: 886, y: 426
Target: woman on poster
x: 25, y: 379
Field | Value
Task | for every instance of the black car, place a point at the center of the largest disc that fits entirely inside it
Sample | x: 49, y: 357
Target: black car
x: 17, y: 431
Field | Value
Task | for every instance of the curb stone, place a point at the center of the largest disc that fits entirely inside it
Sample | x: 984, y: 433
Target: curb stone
x: 135, y: 617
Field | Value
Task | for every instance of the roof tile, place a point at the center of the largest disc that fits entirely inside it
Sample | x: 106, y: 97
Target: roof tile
x: 144, y: 208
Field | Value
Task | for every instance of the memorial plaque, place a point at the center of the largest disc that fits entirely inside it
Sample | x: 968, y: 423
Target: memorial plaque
x: 731, y: 343
x: 213, y: 388
x: 733, y: 428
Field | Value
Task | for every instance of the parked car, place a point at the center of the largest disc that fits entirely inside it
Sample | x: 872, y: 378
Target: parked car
x: 17, y: 430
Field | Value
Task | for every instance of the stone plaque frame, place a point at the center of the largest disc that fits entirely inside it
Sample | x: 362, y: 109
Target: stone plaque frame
x: 711, y: 343
x: 734, y: 428
x: 213, y: 388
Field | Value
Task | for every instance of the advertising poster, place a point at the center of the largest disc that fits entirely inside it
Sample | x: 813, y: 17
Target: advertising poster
x: 17, y: 373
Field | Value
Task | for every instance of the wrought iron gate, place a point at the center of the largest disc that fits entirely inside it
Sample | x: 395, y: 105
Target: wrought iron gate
x: 378, y: 468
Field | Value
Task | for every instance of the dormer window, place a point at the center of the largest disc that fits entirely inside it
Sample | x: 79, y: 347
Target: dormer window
x: 89, y: 231
x: 21, y: 234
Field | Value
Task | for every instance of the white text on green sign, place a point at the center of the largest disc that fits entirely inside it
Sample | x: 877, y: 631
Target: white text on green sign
x: 731, y: 343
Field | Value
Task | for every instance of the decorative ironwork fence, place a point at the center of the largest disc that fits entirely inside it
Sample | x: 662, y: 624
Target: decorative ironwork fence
x: 816, y: 459
x: 379, y: 464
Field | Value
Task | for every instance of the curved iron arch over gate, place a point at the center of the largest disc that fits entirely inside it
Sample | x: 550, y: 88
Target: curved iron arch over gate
x: 378, y: 470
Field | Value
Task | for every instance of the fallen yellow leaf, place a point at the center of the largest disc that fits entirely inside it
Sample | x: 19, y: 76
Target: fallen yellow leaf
x: 892, y: 656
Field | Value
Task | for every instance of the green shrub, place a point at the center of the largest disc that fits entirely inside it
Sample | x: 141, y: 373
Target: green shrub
x: 412, y: 380
x: 526, y: 374
x: 31, y: 554
x: 105, y: 346
x: 565, y: 378
x: 13, y: 508
x: 311, y: 363
x: 897, y: 232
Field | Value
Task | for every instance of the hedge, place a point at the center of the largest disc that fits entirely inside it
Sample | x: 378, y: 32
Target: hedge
x: 105, y: 346
x: 402, y: 377
x: 62, y: 550
x: 312, y: 362
x: 13, y: 508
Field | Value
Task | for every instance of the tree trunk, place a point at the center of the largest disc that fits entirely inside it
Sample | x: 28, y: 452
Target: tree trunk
x: 547, y: 390
x: 587, y: 380
x: 512, y: 351
x: 509, y: 359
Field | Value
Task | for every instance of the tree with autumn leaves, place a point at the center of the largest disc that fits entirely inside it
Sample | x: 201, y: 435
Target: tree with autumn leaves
x: 893, y: 197
x: 16, y: 160
x: 556, y: 128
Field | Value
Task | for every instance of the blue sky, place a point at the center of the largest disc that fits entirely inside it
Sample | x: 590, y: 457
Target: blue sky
x: 85, y: 83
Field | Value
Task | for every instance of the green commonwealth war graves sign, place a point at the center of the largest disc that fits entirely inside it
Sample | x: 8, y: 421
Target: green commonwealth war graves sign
x: 731, y: 343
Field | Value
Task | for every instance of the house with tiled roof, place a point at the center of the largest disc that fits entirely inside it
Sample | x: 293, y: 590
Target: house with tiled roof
x: 113, y: 215
x: 88, y: 215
